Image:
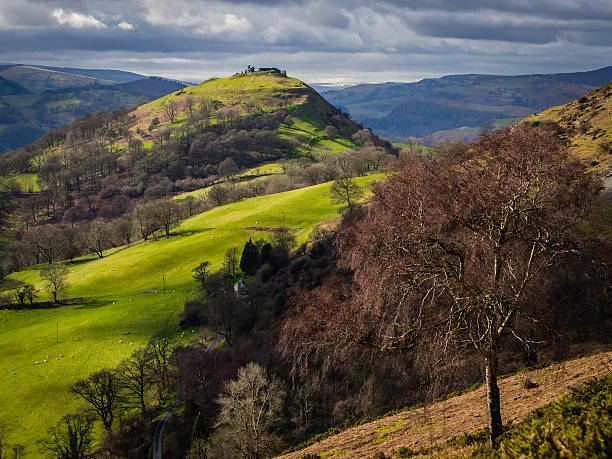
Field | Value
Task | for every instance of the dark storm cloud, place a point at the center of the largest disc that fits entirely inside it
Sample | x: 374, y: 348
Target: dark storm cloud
x: 358, y: 39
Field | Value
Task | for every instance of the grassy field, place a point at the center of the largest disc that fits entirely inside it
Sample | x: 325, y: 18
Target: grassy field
x: 112, y: 304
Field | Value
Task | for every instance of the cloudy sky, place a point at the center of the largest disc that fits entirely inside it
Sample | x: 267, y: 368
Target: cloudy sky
x: 335, y: 41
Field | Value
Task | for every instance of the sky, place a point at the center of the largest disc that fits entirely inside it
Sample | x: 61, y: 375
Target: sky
x: 333, y: 41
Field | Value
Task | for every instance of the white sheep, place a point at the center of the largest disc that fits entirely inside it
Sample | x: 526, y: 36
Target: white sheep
x: 121, y: 341
x: 37, y: 363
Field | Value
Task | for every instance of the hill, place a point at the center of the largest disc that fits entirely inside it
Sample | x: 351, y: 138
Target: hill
x: 120, y: 293
x: 118, y: 76
x: 38, y: 79
x: 586, y: 124
x: 25, y: 116
x: 11, y: 88
x: 400, y: 110
x: 437, y: 423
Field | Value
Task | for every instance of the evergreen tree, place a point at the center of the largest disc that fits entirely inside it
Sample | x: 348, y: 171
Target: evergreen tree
x: 249, y: 262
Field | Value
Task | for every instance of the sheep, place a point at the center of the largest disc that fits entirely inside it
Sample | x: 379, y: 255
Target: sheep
x: 61, y: 355
x: 130, y: 344
x: 45, y: 361
x: 37, y: 363
x: 72, y: 356
x: 121, y: 341
x: 14, y: 373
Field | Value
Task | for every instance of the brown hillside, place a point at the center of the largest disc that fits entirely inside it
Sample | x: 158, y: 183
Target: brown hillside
x: 441, y: 421
x: 587, y: 125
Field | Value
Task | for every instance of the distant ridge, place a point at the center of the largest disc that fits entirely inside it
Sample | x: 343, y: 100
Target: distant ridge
x: 421, y: 109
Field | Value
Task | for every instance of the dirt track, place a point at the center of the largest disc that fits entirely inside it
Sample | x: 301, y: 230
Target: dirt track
x: 442, y: 421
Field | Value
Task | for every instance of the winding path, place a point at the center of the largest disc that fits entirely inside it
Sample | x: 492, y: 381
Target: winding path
x: 161, y: 425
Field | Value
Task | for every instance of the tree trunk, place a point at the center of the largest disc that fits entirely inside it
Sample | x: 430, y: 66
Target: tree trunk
x: 493, y: 400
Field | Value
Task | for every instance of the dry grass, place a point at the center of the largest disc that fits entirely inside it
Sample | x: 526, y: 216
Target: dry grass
x: 436, y: 423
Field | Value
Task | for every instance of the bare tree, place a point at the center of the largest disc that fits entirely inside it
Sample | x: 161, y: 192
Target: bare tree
x: 228, y: 168
x: 459, y: 247
x: 137, y: 376
x: 97, y: 238
x: 345, y: 191
x: 160, y: 348
x: 167, y: 213
x: 189, y: 105
x: 191, y: 204
x: 72, y: 438
x: 55, y: 280
x: 145, y: 221
x: 200, y: 272
x: 170, y: 109
x: 102, y: 392
x: 231, y: 263
x: 250, y: 407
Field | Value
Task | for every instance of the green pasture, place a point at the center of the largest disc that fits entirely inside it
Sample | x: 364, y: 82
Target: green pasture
x: 109, y: 301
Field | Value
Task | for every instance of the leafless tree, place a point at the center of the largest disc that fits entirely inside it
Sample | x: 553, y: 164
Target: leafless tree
x: 137, y: 376
x: 345, y: 191
x: 228, y: 168
x: 231, y: 263
x: 102, y: 392
x: 170, y: 109
x: 55, y: 280
x: 167, y: 212
x: 250, y: 407
x: 160, y: 348
x: 97, y: 238
x: 454, y: 252
x: 189, y: 102
x: 72, y: 438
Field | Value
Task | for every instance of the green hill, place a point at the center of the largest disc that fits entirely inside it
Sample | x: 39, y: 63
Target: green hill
x: 108, y: 301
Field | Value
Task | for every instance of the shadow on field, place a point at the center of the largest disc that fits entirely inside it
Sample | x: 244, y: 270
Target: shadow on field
x: 45, y: 305
x: 92, y: 303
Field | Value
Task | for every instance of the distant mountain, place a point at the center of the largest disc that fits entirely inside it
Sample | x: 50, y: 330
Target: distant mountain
x: 118, y: 76
x: 421, y: 109
x: 25, y: 118
x: 11, y: 88
x: 39, y: 80
x: 150, y: 88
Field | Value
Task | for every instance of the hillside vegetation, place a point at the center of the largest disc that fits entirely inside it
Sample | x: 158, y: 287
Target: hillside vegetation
x: 434, y: 424
x: 107, y: 301
x: 586, y: 123
x: 26, y: 115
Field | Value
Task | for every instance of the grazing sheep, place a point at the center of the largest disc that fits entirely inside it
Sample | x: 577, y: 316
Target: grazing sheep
x: 130, y: 344
x: 14, y: 373
x: 61, y: 355
x: 72, y: 356
x: 121, y: 341
x: 45, y: 361
x: 37, y: 363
